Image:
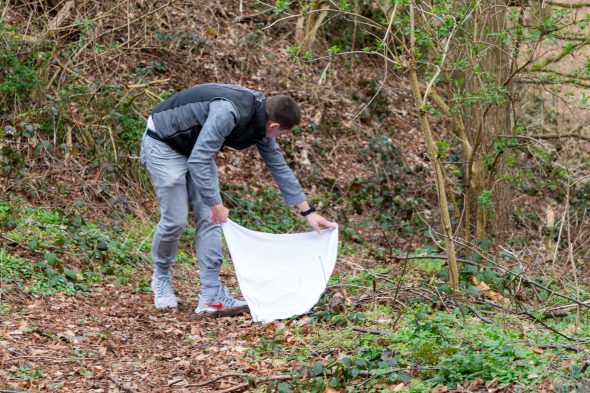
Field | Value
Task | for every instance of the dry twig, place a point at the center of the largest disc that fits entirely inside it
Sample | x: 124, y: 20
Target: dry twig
x: 120, y: 384
x: 503, y: 269
x: 532, y: 318
x: 371, y: 331
x: 252, y: 380
x: 575, y: 348
x: 209, y: 382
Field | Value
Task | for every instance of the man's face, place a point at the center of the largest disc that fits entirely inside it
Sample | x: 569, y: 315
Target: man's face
x: 273, y: 129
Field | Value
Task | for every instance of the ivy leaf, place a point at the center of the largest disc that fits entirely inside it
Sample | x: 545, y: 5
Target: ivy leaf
x: 334, y: 382
x: 404, y: 377
x: 445, y: 288
x: 51, y: 258
x: 32, y: 244
x: 50, y: 273
x: 284, y: 387
x: 489, y: 276
x: 316, y: 370
x: 71, y: 274
x: 472, y: 290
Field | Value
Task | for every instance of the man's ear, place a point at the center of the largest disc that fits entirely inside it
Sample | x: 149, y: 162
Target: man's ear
x: 272, y: 125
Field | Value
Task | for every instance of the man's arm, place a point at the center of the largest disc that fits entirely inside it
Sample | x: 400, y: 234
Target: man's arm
x: 283, y: 175
x: 220, y: 122
x: 288, y: 183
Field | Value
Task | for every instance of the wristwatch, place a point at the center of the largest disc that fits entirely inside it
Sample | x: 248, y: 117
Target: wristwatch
x: 308, y: 211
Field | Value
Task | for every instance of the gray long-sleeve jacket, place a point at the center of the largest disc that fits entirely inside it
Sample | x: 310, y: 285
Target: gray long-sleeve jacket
x: 221, y: 120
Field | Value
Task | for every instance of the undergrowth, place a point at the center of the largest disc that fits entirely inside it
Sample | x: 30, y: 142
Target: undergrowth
x: 45, y: 251
x: 377, y: 348
x: 371, y: 343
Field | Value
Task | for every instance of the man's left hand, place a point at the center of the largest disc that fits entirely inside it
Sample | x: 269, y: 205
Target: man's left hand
x: 317, y: 222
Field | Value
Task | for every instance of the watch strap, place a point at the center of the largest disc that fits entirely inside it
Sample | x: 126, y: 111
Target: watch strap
x: 308, y: 211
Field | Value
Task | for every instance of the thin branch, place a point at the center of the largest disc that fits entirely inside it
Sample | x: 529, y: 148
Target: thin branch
x: 209, y: 382
x: 70, y: 360
x: 367, y: 21
x: 139, y: 18
x: 252, y: 379
x: 442, y: 61
x: 120, y: 384
x: 356, y: 52
x: 401, y: 277
x: 236, y: 387
x: 563, y: 75
x: 555, y: 59
x: 575, y: 348
x: 575, y: 134
x: 474, y: 311
x: 568, y: 4
x: 571, y: 37
x: 571, y: 82
x: 533, y: 319
x: 385, y: 68
x: 371, y: 331
x: 457, y: 125
x: 503, y: 269
x: 561, y: 136
x: 520, y: 275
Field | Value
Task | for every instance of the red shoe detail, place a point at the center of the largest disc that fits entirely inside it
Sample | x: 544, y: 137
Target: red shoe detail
x: 217, y: 306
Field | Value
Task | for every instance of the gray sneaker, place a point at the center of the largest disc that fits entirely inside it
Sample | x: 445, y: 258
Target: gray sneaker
x: 223, y: 301
x: 164, y: 296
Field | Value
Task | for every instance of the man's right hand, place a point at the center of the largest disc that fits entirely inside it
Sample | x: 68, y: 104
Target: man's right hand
x: 219, y: 214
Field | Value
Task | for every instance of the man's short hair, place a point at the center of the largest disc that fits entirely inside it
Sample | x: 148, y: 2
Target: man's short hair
x: 284, y: 110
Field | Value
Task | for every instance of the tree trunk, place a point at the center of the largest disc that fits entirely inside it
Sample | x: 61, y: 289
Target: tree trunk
x: 436, y: 164
x: 484, y: 122
x: 308, y: 25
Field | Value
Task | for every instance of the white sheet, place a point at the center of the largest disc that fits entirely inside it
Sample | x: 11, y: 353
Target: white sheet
x: 281, y: 275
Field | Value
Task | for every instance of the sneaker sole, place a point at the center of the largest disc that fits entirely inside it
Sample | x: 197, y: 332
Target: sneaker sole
x: 166, y: 307
x: 166, y: 304
x: 230, y: 312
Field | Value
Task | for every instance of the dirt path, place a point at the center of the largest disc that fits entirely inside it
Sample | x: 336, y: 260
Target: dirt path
x: 73, y: 344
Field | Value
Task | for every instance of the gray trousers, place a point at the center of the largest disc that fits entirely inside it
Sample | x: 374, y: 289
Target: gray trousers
x: 175, y: 191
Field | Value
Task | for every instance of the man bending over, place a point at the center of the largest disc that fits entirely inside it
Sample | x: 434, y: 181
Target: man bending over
x: 178, y: 150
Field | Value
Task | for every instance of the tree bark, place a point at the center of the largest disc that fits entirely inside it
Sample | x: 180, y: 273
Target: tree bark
x: 483, y: 122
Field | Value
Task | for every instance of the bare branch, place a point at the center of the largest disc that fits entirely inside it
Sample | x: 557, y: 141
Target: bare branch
x: 555, y: 59
x: 120, y: 384
x: 250, y: 377
x: 358, y: 52
x: 561, y: 74
x: 568, y: 4
x: 562, y: 136
x: 367, y: 21
x: 371, y: 331
x: 571, y: 82
x: 209, y: 382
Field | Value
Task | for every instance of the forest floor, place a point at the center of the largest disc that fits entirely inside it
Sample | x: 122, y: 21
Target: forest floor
x: 113, y: 339
x: 76, y: 312
x: 82, y: 343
